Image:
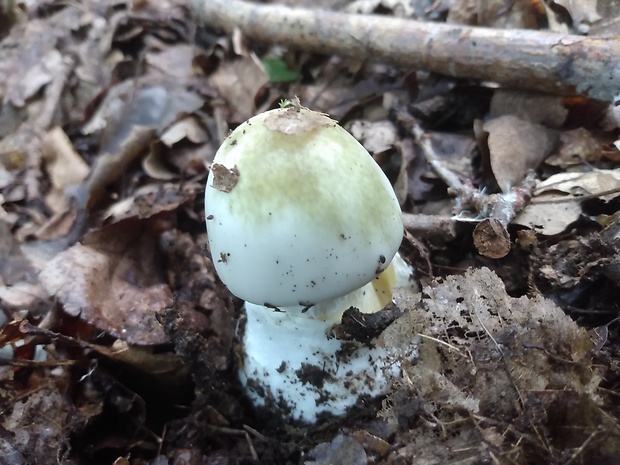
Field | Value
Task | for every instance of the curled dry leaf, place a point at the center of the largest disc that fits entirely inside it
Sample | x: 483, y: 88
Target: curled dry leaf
x: 550, y: 212
x: 187, y: 128
x: 155, y: 163
x: 113, y: 281
x: 110, y: 165
x: 151, y: 200
x: 151, y: 110
x: 58, y: 154
x: 579, y: 184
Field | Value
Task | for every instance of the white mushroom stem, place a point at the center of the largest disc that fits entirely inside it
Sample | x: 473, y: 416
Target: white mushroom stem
x: 292, y: 363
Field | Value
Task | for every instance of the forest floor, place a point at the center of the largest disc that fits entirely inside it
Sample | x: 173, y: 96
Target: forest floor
x: 118, y: 342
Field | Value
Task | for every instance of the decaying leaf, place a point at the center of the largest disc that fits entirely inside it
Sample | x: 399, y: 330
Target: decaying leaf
x: 113, y: 281
x: 485, y: 360
x: 570, y: 265
x: 579, y: 184
x: 376, y: 137
x: 548, y: 218
x: 342, y: 449
x: 575, y: 147
x: 40, y: 425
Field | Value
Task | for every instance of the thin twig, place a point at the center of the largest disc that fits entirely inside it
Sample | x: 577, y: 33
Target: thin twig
x: 439, y: 341
x: 580, y: 198
x: 424, y: 226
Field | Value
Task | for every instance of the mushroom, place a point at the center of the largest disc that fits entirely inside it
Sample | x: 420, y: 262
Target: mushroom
x: 302, y: 225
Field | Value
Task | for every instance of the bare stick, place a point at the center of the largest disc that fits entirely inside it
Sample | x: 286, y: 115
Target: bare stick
x: 427, y: 226
x: 536, y: 60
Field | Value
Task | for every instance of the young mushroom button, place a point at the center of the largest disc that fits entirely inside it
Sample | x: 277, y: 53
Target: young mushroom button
x: 297, y: 210
x: 301, y: 221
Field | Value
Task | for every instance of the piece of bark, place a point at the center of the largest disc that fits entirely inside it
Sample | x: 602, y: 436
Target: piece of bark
x: 537, y: 60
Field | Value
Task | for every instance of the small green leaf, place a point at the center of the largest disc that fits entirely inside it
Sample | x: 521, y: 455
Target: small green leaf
x: 278, y: 71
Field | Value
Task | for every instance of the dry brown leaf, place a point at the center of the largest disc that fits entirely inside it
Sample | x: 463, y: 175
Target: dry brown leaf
x: 575, y: 147
x: 375, y: 136
x: 64, y: 166
x: 155, y: 163
x: 153, y: 109
x: 111, y: 164
x: 57, y: 226
x: 238, y: 82
x: 548, y: 218
x: 175, y: 61
x: 151, y: 200
x: 534, y: 107
x: 113, y: 281
x: 515, y: 147
x: 187, y: 128
x: 580, y: 184
x: 22, y: 296
x: 166, y: 367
